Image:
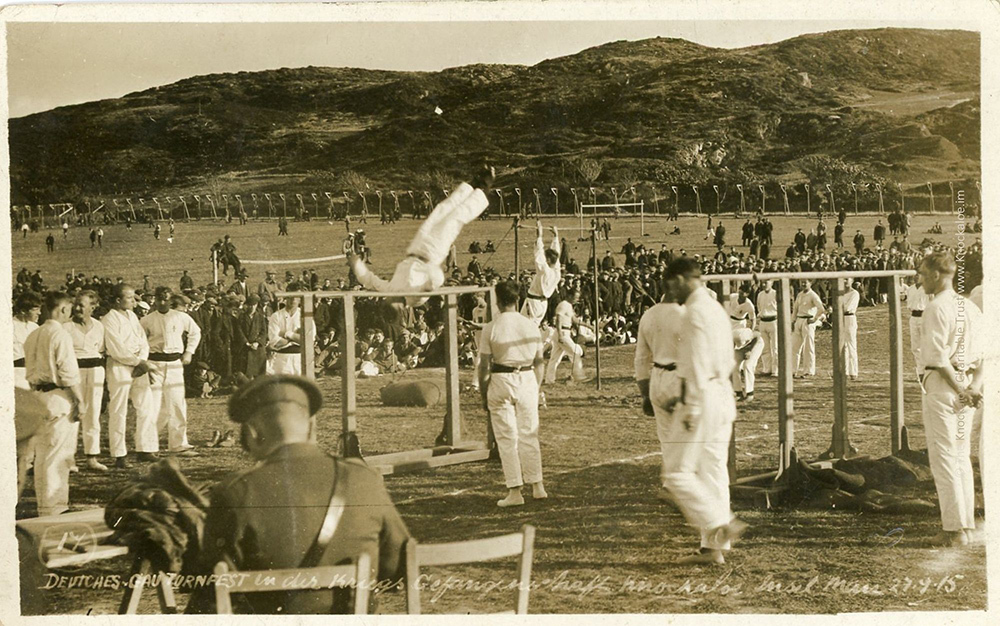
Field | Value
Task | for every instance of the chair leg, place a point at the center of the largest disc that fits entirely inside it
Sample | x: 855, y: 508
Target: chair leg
x: 130, y: 599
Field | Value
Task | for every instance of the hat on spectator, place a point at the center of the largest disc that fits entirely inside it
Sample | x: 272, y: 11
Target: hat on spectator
x: 272, y: 389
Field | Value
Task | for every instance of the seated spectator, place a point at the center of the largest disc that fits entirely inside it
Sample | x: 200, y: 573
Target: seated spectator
x: 259, y: 520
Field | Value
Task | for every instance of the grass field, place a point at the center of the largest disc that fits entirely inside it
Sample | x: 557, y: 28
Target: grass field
x: 605, y: 543
x: 133, y: 254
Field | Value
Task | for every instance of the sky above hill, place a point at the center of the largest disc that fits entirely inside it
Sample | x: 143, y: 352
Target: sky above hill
x: 57, y: 64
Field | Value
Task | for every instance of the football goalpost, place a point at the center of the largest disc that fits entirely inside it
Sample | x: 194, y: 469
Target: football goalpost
x: 768, y: 488
x: 451, y: 447
x: 615, y: 209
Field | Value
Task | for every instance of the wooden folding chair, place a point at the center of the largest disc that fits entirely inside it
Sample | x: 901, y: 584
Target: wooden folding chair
x: 307, y: 579
x: 476, y: 550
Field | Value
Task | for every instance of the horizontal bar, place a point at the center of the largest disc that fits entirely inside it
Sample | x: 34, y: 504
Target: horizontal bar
x: 360, y: 293
x: 318, y: 259
x: 809, y: 275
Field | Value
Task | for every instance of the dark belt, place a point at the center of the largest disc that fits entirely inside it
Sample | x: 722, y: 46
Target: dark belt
x: 19, y: 362
x: 498, y: 368
x: 90, y: 363
x: 768, y: 319
x: 846, y: 313
x: 165, y: 357
x: 669, y: 366
x: 420, y: 257
x: 534, y: 297
x: 805, y: 317
x: 916, y: 313
x: 738, y: 319
x: 291, y: 349
x: 47, y: 387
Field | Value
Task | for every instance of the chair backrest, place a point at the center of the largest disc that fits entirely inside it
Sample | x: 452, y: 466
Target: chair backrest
x: 476, y: 550
x: 356, y: 575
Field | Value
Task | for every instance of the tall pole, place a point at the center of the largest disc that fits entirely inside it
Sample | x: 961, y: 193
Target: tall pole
x: 787, y: 461
x: 642, y: 218
x: 517, y: 247
x: 897, y: 424
x: 597, y: 308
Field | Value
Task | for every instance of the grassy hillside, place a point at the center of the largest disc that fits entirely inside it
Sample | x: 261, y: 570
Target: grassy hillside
x: 866, y: 106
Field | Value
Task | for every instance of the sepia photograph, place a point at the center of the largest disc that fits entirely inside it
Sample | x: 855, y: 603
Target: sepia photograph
x: 496, y: 307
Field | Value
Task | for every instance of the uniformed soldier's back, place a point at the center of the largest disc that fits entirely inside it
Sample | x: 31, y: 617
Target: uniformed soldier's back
x: 274, y: 512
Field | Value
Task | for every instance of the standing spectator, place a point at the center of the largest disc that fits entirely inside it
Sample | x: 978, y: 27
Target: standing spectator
x: 879, y: 234
x: 50, y: 243
x: 65, y: 229
x: 859, y: 243
x: 27, y: 309
x: 951, y: 352
x: 657, y: 349
x: 767, y: 307
x: 283, y: 338
x: 224, y: 339
x: 173, y: 338
x: 510, y: 372
x: 849, y: 302
x: 187, y: 283
x: 800, y: 241
x: 87, y: 335
x: 747, y: 232
x: 720, y: 236
x: 100, y: 237
x: 52, y: 371
x: 128, y: 364
x: 266, y: 290
x: 252, y: 336
x: 806, y: 313
x: 93, y: 237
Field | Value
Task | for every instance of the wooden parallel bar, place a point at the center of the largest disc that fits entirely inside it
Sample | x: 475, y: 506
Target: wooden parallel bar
x: 807, y: 275
x: 434, y: 461
x: 420, y: 454
x: 359, y: 293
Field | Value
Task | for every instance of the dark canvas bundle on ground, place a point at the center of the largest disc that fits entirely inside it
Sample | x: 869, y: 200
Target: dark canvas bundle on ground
x: 160, y: 518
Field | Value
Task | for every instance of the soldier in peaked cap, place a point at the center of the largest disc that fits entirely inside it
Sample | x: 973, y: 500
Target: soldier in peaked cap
x: 283, y: 505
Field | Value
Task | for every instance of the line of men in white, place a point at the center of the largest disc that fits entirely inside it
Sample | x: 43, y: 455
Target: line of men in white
x: 683, y: 365
x: 71, y: 355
